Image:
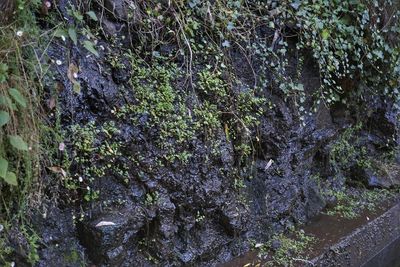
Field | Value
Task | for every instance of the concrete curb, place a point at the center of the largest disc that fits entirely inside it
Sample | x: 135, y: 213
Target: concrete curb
x: 363, y: 244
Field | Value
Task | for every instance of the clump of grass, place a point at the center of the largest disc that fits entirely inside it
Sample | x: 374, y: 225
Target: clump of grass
x: 19, y: 127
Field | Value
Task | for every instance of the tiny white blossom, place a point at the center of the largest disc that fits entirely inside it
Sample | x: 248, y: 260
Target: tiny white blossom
x: 63, y: 38
x: 61, y: 146
x: 75, y: 75
x: 58, y: 62
x: 20, y: 33
x: 80, y: 179
x: 48, y: 4
x: 88, y: 188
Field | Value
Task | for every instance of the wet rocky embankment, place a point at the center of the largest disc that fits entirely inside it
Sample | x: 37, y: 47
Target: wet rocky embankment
x: 127, y: 203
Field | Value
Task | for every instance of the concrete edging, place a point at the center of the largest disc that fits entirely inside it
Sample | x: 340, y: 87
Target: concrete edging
x: 364, y: 243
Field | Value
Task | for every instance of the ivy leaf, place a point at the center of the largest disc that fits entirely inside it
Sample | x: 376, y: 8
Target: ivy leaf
x: 17, y: 142
x: 92, y: 15
x: 17, y: 96
x: 90, y: 47
x: 3, y: 167
x: 11, y: 179
x: 73, y: 36
x: 4, y: 118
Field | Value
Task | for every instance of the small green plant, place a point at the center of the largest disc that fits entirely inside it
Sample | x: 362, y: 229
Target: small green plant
x: 285, y: 250
x: 349, y: 205
x: 151, y: 198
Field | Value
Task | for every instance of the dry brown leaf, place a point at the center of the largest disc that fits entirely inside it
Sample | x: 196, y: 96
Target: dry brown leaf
x: 52, y: 103
x: 57, y: 169
x: 72, y: 72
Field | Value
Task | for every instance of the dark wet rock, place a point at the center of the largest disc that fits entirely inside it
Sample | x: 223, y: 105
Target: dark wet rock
x: 194, y: 214
x: 121, y: 73
x: 105, y: 238
x: 276, y: 244
x: 60, y: 245
x: 382, y: 176
x: 118, y: 8
x: 110, y: 28
x: 101, y: 91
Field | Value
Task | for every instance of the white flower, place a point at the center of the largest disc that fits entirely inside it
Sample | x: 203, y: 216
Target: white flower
x: 88, y: 188
x: 75, y: 75
x: 80, y: 179
x: 58, y: 62
x: 61, y: 146
x: 63, y: 38
x: 48, y: 4
x: 20, y: 33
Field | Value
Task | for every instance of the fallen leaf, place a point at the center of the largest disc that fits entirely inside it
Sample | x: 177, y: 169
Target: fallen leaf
x: 52, y: 103
x: 268, y: 164
x: 57, y: 169
x: 72, y: 71
x: 105, y: 223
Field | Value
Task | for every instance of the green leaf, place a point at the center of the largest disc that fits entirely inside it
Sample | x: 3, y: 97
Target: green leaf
x: 90, y: 47
x: 17, y: 96
x: 3, y: 72
x: 77, y: 87
x: 17, y: 142
x: 11, y: 179
x: 92, y: 15
x: 73, y: 36
x: 325, y: 34
x: 4, y: 118
x: 3, y: 167
x: 60, y: 33
x: 7, y: 102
